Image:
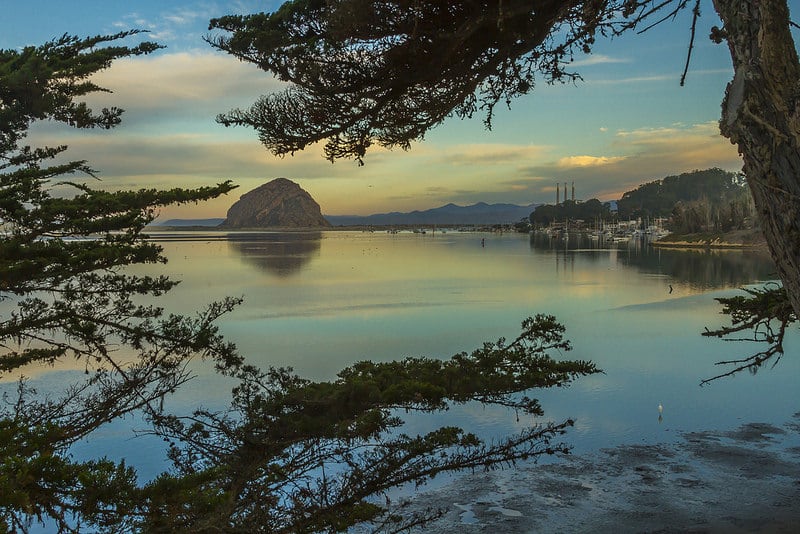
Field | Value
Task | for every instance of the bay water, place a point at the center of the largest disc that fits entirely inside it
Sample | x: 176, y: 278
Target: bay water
x: 320, y: 301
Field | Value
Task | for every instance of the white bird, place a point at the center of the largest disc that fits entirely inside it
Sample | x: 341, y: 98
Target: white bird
x: 660, y: 408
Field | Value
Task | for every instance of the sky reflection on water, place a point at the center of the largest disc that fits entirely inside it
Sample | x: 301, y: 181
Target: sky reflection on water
x: 319, y: 302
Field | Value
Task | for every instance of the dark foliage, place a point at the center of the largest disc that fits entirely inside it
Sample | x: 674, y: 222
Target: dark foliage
x: 362, y: 72
x: 760, y: 317
x: 64, y: 294
x: 590, y: 211
x: 658, y: 198
x: 299, y: 456
x: 291, y: 455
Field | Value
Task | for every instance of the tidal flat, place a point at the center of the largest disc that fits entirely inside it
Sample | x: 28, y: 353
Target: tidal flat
x: 741, y: 480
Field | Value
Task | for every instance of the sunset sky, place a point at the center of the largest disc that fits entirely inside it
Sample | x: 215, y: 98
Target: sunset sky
x: 627, y: 123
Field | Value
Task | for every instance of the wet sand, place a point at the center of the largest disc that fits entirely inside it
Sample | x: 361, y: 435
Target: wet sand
x: 746, y: 480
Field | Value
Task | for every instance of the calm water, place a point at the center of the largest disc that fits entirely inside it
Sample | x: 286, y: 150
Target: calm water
x: 321, y: 301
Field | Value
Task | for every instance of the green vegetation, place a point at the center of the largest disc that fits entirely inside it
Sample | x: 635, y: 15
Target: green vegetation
x: 298, y: 456
x: 64, y: 296
x: 658, y: 198
x: 570, y: 210
x: 710, y: 201
x: 762, y: 317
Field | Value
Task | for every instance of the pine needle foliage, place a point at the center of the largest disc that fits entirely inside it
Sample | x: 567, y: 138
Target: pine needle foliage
x: 65, y: 294
x: 760, y: 316
x: 361, y: 73
x: 293, y: 455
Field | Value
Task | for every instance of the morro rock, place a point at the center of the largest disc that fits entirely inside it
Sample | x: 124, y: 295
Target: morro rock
x: 279, y: 203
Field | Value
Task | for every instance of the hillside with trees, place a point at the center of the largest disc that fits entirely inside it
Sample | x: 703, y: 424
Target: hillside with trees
x: 658, y: 198
x: 710, y: 200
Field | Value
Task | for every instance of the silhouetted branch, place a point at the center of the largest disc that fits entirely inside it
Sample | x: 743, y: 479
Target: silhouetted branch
x: 755, y: 314
x: 695, y: 16
x: 671, y: 15
x: 293, y: 455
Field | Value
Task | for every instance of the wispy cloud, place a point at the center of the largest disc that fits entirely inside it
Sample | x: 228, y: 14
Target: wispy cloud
x: 674, y: 77
x: 634, y: 79
x: 598, y: 59
x: 472, y: 154
x: 178, y: 27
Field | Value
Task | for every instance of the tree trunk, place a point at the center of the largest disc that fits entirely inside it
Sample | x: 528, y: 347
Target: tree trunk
x: 761, y: 114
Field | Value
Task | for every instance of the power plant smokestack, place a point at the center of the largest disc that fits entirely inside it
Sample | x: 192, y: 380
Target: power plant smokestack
x: 558, y: 194
x: 573, y: 191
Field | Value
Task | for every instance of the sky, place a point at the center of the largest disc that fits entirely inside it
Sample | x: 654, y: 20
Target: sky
x: 628, y: 122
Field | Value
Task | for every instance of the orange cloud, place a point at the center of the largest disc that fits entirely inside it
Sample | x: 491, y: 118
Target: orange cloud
x: 588, y: 161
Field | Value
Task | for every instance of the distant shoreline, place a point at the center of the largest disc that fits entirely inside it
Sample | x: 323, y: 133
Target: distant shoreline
x: 736, y: 240
x: 749, y: 240
x: 359, y: 228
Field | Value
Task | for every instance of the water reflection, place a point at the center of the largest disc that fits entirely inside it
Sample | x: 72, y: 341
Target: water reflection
x: 322, y: 305
x: 702, y: 269
x: 280, y: 254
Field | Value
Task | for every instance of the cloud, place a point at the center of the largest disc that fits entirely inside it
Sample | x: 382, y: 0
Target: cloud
x: 588, y: 161
x: 643, y: 155
x: 482, y: 154
x: 181, y: 27
x: 184, y: 154
x: 172, y: 26
x: 425, y: 177
x: 598, y: 59
x: 168, y: 137
x: 193, y: 157
x: 182, y: 83
x: 634, y: 79
x: 673, y: 77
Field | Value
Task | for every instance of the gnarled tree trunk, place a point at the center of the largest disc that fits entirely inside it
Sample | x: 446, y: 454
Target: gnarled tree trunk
x: 761, y: 114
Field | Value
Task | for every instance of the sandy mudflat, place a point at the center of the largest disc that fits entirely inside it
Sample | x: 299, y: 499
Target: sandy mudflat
x: 747, y: 480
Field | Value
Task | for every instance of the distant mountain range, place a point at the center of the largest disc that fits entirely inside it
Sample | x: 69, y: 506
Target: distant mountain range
x: 190, y: 222
x: 450, y: 214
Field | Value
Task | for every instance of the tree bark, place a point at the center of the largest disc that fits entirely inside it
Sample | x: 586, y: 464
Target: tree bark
x: 761, y: 114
